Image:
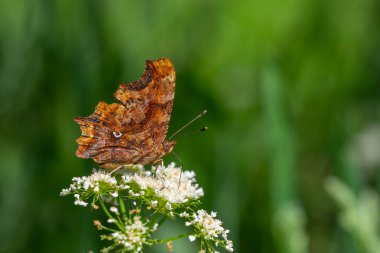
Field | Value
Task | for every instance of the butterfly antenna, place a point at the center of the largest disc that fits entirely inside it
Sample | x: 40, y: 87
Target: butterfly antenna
x: 194, y: 132
x: 191, y: 121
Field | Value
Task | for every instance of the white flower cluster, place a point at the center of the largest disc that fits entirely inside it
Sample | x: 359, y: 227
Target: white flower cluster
x: 134, y: 199
x: 97, y: 182
x: 208, y: 228
x: 170, y: 183
x: 132, y: 239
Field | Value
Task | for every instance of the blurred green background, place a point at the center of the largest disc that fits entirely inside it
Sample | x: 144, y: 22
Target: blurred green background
x: 291, y: 159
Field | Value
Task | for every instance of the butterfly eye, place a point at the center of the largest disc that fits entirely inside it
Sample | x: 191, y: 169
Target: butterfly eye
x: 117, y: 134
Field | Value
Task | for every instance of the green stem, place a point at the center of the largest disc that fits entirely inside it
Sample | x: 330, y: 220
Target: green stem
x: 122, y: 206
x: 110, y: 216
x: 172, y: 238
x: 109, y: 229
x: 119, y: 219
x: 162, y: 221
x: 154, y: 218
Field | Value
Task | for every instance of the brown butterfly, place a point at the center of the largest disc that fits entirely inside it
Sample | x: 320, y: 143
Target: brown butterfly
x: 134, y: 130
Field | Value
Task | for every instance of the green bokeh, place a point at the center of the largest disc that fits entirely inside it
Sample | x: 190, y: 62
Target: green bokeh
x: 292, y: 90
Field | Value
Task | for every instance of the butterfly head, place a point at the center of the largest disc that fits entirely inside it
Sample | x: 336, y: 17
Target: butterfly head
x: 168, y: 146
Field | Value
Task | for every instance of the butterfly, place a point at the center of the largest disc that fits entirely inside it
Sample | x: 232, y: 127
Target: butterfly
x: 133, y: 130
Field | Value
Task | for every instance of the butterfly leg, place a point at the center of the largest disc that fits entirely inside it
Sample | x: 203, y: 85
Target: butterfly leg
x: 116, y: 169
x: 121, y: 167
x: 178, y: 158
x: 180, y: 177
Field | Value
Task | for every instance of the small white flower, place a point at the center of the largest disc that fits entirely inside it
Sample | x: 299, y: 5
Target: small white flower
x: 184, y: 214
x: 133, y: 194
x: 65, y: 192
x: 154, y: 203
x: 192, y: 238
x: 208, y: 227
x: 79, y: 202
x: 111, y: 220
x: 229, y: 246
x: 135, y: 235
x: 114, y: 210
x: 168, y: 206
x: 97, y: 182
x: 114, y: 194
x: 155, y: 226
x: 170, y: 182
x: 126, y: 178
x: 124, y: 187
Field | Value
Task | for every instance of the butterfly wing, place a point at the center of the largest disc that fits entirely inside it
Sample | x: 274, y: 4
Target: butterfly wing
x: 134, y: 130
